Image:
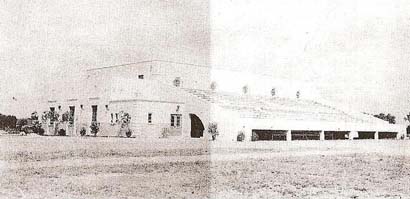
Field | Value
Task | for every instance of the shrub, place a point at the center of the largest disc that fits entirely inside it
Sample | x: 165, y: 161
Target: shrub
x: 34, y: 116
x: 40, y: 131
x: 125, y: 120
x: 20, y: 123
x: 254, y: 137
x: 128, y: 133
x: 83, y: 131
x: 37, y: 129
x: 65, y: 117
x: 164, y: 133
x: 240, y: 137
x: 61, y: 132
x: 402, y: 137
x: 213, y: 130
x: 95, y: 127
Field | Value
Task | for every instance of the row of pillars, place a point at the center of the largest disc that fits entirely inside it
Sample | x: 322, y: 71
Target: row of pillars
x: 352, y: 135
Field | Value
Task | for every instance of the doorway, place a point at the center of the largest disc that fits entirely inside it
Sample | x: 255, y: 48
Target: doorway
x: 197, y: 127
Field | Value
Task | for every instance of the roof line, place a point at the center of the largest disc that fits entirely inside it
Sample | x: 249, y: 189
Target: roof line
x: 146, y: 61
x: 114, y: 66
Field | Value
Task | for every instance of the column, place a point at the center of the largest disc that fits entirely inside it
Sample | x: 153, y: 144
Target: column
x: 248, y: 135
x: 322, y: 135
x: 353, y: 134
x: 288, y: 135
x: 376, y: 135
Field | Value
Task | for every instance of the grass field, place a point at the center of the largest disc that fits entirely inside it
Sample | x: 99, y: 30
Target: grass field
x: 75, y: 167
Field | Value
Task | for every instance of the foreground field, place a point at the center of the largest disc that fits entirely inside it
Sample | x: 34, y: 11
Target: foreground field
x: 70, y: 167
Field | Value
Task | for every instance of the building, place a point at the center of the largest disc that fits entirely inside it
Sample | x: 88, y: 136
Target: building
x: 169, y: 99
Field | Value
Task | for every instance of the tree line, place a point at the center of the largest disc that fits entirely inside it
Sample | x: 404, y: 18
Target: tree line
x: 7, y: 121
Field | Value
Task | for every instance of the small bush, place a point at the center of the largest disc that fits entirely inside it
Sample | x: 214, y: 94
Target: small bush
x: 128, y: 133
x: 240, y: 137
x: 125, y: 120
x: 62, y: 132
x: 83, y: 131
x: 402, y: 137
x: 95, y: 127
x: 40, y: 131
x: 213, y: 130
x: 37, y: 129
x: 20, y: 123
x: 65, y: 117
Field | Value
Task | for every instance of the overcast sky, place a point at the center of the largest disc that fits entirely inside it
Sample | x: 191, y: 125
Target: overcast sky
x: 356, y: 52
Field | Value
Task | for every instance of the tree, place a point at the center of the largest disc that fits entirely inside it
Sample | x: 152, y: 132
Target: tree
x: 390, y: 118
x: 95, y: 127
x: 7, y: 121
x: 125, y: 124
x: 213, y: 130
x: 34, y: 115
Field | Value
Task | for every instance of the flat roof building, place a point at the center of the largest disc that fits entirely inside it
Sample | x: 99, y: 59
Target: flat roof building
x: 170, y: 99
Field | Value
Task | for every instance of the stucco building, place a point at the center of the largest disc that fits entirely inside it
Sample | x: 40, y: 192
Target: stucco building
x: 182, y: 99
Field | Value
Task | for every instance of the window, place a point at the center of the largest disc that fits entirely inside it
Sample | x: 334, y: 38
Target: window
x: 112, y: 118
x: 176, y: 120
x: 140, y: 76
x: 52, y: 111
x: 116, y: 117
x: 149, y: 118
x: 72, y: 111
x: 177, y: 82
x: 94, y: 115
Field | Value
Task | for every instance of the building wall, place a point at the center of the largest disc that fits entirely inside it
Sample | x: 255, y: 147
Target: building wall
x: 161, y: 117
x: 192, y: 76
x: 231, y: 122
x: 200, y: 108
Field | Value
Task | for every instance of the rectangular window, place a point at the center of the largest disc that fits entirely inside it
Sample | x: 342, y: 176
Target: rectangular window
x: 72, y: 112
x: 52, y: 110
x: 116, y: 117
x: 94, y: 114
x: 140, y: 76
x: 149, y: 118
x: 176, y: 120
x: 112, y: 118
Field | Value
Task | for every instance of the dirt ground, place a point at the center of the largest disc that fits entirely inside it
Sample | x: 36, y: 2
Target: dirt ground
x: 75, y: 167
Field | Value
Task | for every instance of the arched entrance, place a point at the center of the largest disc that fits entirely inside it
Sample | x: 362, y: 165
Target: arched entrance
x: 197, y: 128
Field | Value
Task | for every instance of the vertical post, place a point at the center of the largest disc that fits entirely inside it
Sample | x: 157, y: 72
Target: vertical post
x: 353, y: 134
x: 376, y: 135
x: 289, y: 135
x: 322, y: 135
x: 248, y: 135
x: 399, y: 134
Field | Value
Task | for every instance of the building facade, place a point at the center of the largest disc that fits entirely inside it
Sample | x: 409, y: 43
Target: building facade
x: 168, y: 99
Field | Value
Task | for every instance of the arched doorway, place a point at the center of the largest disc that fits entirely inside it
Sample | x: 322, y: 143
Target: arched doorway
x: 197, y: 128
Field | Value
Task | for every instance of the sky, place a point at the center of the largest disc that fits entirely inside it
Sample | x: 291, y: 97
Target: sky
x: 355, y: 51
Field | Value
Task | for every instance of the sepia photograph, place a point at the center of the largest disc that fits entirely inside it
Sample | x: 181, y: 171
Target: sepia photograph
x: 204, y: 99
